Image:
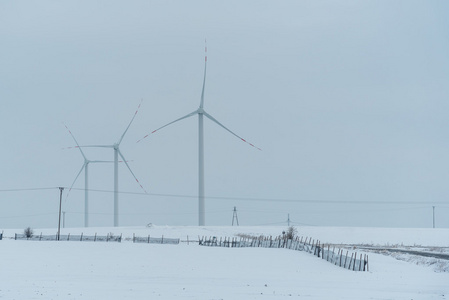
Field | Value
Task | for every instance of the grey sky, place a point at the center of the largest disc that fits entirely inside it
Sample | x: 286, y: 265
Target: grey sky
x: 349, y: 102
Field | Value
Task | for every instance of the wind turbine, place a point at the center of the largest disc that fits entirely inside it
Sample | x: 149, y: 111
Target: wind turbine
x: 117, y: 152
x: 85, y: 167
x: 201, y: 113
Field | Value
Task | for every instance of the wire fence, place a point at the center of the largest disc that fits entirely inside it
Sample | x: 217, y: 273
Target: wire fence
x: 153, y: 240
x: 95, y: 238
x: 338, y: 258
x: 69, y: 237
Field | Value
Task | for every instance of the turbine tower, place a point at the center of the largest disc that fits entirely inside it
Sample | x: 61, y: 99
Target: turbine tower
x: 117, y: 152
x: 201, y: 113
x: 85, y: 167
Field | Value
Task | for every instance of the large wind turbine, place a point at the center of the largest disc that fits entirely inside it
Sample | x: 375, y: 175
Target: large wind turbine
x: 117, y: 152
x: 85, y: 167
x: 201, y: 113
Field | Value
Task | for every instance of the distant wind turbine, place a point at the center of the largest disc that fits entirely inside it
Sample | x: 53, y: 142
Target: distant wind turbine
x: 86, y: 180
x: 117, y: 152
x: 201, y: 112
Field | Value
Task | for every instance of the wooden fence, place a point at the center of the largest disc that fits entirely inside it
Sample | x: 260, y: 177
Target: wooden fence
x: 309, y: 245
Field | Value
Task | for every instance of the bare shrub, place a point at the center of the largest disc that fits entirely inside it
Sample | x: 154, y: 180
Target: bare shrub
x: 291, y: 232
x: 28, y: 232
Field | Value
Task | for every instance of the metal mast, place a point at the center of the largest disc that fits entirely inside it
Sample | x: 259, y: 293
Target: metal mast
x: 234, y: 217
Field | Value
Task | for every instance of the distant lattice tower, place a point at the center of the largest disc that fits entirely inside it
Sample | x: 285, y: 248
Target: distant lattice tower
x: 234, y: 217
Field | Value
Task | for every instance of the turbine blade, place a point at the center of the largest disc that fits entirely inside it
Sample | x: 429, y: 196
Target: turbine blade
x: 204, y: 80
x: 124, y: 160
x: 76, y: 142
x: 123, y: 135
x: 82, y: 168
x: 214, y: 120
x: 186, y: 116
x: 96, y: 146
x: 106, y: 161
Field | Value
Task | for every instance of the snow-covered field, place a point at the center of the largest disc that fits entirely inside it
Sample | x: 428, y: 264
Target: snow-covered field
x: 88, y: 270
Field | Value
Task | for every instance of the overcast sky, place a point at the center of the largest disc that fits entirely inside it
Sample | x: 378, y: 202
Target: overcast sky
x: 348, y: 101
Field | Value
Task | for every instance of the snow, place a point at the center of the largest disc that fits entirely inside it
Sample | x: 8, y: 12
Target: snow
x: 100, y: 270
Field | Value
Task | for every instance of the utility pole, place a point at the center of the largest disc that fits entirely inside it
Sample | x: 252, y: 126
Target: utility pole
x: 288, y: 220
x: 433, y: 207
x: 60, y: 204
x: 234, y: 217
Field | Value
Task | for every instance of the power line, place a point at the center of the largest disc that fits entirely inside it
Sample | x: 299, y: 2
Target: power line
x: 29, y: 189
x: 33, y: 215
x: 311, y: 201
x: 270, y: 199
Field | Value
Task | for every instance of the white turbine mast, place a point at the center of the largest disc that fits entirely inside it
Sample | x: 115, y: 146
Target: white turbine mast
x: 85, y: 167
x: 201, y: 112
x: 117, y: 152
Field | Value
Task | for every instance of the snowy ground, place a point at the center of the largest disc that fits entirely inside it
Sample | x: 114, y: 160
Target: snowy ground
x: 87, y: 270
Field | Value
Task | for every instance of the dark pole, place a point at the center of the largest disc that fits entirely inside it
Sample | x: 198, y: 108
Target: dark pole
x: 60, y: 203
x: 433, y: 216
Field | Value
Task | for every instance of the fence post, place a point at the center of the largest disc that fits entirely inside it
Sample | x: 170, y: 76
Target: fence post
x: 81, y: 236
x: 333, y: 253
x: 367, y: 265
x: 350, y: 262
x: 355, y: 261
x: 319, y: 250
x: 346, y: 258
x: 95, y: 237
x: 68, y: 237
